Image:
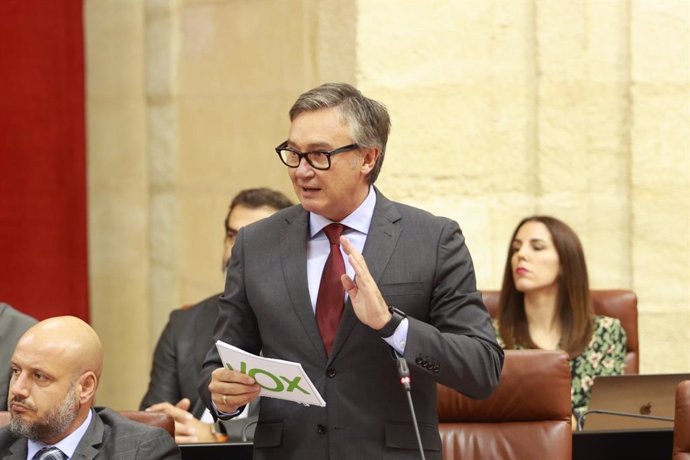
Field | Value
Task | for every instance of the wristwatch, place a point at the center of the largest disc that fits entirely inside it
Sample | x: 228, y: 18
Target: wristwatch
x: 392, y: 325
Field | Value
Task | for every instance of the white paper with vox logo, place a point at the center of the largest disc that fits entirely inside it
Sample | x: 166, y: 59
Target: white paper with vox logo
x: 277, y: 378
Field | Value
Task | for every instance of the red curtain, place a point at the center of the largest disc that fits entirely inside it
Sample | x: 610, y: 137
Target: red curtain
x: 43, y: 249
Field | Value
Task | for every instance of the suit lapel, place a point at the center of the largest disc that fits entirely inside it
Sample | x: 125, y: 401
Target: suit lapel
x: 19, y: 449
x: 205, y: 316
x: 378, y: 249
x: 293, y: 256
x: 383, y: 236
x: 87, y: 447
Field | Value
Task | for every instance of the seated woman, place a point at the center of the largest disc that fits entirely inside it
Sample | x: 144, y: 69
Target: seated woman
x: 545, y: 304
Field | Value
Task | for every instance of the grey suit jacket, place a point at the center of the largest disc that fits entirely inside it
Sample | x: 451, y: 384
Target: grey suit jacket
x: 109, y: 436
x: 179, y: 354
x: 13, y: 324
x: 422, y: 266
x: 177, y: 361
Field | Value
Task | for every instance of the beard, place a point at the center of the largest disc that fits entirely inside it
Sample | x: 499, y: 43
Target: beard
x: 53, y: 424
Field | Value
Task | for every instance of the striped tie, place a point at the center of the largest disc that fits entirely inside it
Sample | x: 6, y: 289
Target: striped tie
x: 50, y: 453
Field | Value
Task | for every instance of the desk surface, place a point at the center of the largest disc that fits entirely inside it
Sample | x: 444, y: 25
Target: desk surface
x: 651, y: 444
x: 587, y: 445
x: 217, y: 451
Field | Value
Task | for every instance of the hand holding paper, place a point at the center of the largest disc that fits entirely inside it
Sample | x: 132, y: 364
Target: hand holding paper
x: 231, y: 390
x: 277, y: 378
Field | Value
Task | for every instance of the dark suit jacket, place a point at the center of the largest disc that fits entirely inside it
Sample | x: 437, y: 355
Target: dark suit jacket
x: 177, y: 361
x: 422, y: 266
x: 109, y: 436
x: 13, y: 324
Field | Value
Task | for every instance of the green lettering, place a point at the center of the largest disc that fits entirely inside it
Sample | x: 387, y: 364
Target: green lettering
x: 278, y: 384
x: 292, y: 385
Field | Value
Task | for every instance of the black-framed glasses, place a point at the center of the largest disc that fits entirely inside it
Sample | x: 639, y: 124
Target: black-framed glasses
x: 317, y: 159
x: 230, y: 234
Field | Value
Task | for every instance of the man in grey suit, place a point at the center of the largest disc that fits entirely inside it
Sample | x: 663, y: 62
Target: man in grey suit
x: 56, y: 367
x: 407, y: 288
x: 13, y: 324
x: 188, y: 335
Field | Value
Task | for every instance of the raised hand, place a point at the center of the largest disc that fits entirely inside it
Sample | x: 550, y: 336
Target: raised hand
x: 367, y: 301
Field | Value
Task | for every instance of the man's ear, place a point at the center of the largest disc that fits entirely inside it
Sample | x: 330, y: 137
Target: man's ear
x: 369, y: 158
x: 88, y: 383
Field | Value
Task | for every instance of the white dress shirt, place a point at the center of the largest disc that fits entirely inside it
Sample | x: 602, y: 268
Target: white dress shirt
x: 67, y: 445
x: 356, y: 232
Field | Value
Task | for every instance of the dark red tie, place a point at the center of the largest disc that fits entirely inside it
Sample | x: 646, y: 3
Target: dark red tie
x: 330, y: 300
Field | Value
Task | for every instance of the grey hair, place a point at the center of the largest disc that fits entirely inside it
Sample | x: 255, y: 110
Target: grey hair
x: 367, y: 119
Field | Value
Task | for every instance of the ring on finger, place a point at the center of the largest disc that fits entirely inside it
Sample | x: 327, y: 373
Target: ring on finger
x: 224, y: 401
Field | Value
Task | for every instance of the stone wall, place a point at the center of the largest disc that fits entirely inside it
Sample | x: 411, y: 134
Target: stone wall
x: 500, y: 109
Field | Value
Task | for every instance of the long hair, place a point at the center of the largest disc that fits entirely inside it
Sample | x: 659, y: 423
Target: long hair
x: 574, y: 305
x: 367, y: 119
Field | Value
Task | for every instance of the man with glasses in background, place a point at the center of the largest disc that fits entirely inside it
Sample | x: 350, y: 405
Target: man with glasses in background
x: 344, y: 284
x: 187, y: 336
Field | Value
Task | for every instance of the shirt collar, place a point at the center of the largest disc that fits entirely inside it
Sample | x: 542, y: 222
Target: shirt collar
x: 359, y: 220
x: 67, y: 445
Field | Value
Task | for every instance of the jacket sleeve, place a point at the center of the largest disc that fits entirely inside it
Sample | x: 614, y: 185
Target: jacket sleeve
x: 457, y: 344
x: 159, y: 447
x: 164, y: 378
x: 236, y: 323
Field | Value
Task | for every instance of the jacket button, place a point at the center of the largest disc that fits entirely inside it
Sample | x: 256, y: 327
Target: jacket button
x: 419, y: 360
x: 321, y: 429
x: 330, y: 371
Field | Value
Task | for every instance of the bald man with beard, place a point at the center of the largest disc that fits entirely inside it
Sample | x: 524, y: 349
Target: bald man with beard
x: 56, y: 368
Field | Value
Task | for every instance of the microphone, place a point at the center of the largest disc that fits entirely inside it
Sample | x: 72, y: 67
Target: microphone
x: 581, y: 418
x: 404, y: 373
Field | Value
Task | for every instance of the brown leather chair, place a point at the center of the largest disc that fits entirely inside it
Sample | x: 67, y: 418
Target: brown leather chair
x: 681, y: 424
x: 157, y: 419
x: 616, y: 303
x: 528, y: 416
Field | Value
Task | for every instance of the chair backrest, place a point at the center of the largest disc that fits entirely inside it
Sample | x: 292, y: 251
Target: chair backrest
x: 616, y: 303
x: 681, y: 423
x: 527, y: 416
x: 157, y: 419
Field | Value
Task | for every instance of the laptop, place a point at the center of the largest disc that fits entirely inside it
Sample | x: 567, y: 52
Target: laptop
x: 632, y: 401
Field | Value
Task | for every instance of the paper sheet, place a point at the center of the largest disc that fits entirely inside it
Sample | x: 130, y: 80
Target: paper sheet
x: 277, y: 378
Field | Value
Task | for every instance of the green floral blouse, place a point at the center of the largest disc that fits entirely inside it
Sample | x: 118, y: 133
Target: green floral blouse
x: 604, y: 355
